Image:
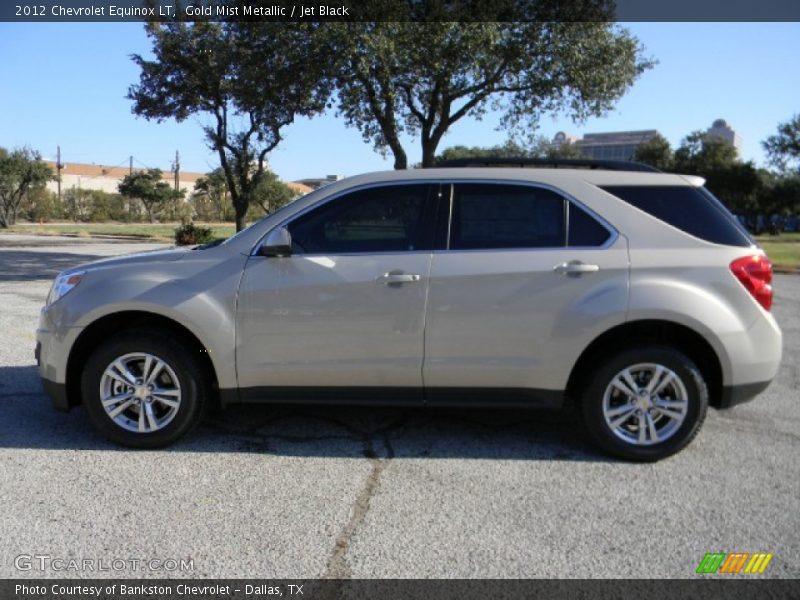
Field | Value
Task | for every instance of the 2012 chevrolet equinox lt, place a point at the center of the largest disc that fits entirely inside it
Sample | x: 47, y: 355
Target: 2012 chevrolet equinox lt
x: 635, y: 293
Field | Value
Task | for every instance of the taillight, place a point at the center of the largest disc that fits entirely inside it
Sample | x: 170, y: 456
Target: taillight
x: 755, y: 273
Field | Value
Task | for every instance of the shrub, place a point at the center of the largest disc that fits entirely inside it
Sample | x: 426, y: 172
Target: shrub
x: 190, y: 234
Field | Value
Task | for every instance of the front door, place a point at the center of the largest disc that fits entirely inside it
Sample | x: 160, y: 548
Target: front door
x: 344, y: 314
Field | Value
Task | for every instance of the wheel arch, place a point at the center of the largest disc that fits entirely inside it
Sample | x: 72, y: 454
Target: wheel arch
x: 128, y: 320
x: 669, y: 333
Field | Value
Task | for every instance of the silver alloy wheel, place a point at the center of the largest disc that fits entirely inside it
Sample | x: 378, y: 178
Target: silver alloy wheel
x: 645, y: 404
x: 140, y: 392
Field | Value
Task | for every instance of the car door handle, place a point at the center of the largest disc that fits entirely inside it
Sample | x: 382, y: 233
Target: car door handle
x: 575, y: 266
x: 396, y: 277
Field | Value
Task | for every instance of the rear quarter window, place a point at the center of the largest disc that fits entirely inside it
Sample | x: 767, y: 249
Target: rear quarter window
x: 693, y: 210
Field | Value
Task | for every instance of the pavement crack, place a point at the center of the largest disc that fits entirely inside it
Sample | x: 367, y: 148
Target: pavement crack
x: 337, y: 567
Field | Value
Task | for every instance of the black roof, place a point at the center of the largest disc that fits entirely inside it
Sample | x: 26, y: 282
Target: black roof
x: 552, y: 163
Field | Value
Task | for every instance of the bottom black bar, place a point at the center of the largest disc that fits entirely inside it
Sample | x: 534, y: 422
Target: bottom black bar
x: 737, y: 587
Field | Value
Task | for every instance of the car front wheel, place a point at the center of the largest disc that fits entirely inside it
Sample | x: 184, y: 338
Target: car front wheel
x: 143, y: 390
x: 645, y: 404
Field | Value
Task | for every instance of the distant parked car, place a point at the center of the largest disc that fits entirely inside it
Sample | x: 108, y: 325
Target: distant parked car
x: 635, y: 293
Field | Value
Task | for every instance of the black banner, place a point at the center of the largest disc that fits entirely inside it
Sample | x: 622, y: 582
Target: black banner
x: 398, y: 10
x: 737, y: 587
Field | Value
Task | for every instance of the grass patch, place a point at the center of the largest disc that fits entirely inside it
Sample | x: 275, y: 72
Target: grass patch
x: 156, y: 232
x: 783, y: 249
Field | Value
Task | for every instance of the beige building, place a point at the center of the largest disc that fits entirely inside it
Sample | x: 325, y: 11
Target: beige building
x: 106, y: 179
x: 722, y: 130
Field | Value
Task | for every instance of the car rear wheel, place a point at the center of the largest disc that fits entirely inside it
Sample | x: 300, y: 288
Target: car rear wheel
x: 143, y: 390
x: 645, y: 404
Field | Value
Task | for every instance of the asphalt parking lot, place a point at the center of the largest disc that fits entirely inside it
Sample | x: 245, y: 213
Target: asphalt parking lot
x: 362, y: 492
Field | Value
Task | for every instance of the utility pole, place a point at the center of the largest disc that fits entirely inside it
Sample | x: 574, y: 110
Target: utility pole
x: 130, y: 200
x: 177, y: 172
x: 59, y: 166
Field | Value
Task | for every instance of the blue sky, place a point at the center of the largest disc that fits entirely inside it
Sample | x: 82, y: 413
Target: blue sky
x: 65, y: 84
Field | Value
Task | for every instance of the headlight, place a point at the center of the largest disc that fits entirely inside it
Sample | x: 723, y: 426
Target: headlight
x: 63, y: 284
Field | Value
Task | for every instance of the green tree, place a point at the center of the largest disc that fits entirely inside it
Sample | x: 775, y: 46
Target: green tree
x: 700, y: 153
x: 272, y: 193
x: 738, y: 185
x: 252, y: 79
x: 40, y: 204
x: 211, y: 196
x: 419, y: 79
x: 655, y: 152
x: 509, y: 149
x: 565, y: 151
x: 21, y: 172
x: 149, y: 187
x: 783, y: 148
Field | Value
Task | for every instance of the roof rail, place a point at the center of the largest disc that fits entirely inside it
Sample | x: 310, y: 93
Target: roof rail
x: 553, y: 163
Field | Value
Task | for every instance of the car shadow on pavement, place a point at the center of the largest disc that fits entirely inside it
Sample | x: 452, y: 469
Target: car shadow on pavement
x: 29, y: 421
x: 22, y: 265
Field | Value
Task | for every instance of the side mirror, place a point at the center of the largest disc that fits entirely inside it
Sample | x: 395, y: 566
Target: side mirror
x: 278, y: 243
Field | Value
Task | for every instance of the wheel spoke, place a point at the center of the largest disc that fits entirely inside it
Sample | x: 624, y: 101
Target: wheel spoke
x: 113, y: 414
x: 651, y: 427
x: 151, y: 417
x: 166, y: 392
x: 142, y: 426
x: 621, y: 419
x: 668, y: 413
x: 659, y: 371
x: 123, y: 370
x: 625, y: 408
x: 642, y: 430
x: 664, y: 383
x: 661, y: 403
x: 623, y: 387
x: 628, y: 379
x: 166, y: 401
x: 112, y: 400
x: 155, y: 372
x: 148, y: 362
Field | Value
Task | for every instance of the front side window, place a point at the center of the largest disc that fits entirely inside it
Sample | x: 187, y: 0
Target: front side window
x: 489, y: 216
x: 378, y: 219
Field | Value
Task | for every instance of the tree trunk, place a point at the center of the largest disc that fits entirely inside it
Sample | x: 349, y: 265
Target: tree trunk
x: 400, y: 160
x: 428, y: 154
x: 241, y: 214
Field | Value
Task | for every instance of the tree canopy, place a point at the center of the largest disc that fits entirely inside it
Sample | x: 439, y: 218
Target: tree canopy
x: 21, y: 171
x: 655, y: 152
x: 418, y: 79
x: 149, y: 187
x: 783, y: 148
x: 251, y: 79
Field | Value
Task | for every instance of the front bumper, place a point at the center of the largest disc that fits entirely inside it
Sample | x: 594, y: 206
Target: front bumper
x: 57, y: 393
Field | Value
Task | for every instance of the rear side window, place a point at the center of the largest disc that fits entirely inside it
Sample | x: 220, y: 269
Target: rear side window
x: 688, y: 209
x: 584, y: 230
x: 489, y: 216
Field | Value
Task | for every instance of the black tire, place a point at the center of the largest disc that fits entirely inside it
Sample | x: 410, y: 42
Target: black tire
x: 592, y: 400
x: 183, y: 363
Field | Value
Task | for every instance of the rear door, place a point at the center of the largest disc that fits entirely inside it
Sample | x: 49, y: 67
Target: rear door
x: 525, y: 280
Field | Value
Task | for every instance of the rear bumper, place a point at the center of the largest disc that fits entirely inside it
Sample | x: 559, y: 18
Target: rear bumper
x: 737, y: 394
